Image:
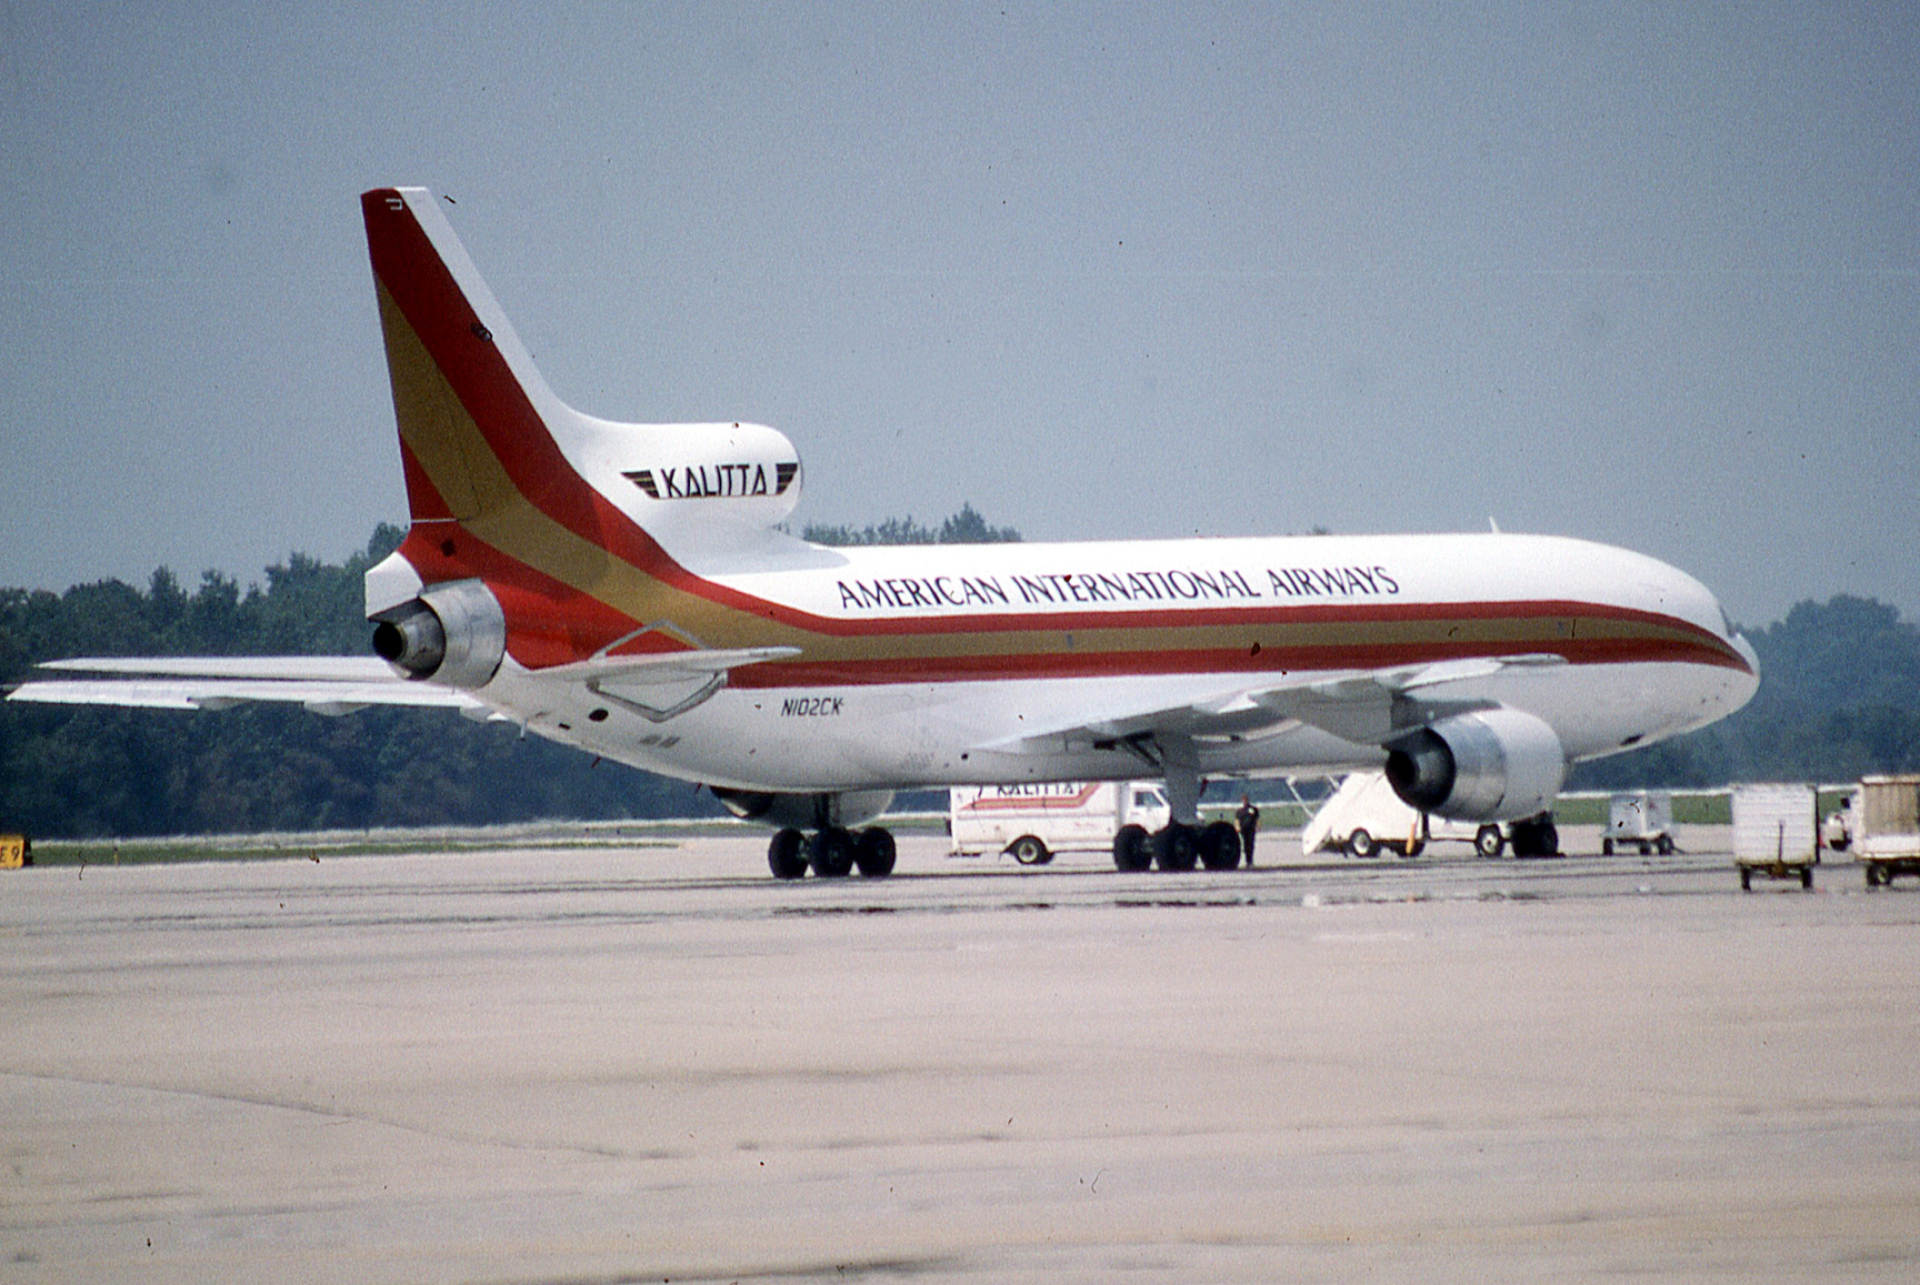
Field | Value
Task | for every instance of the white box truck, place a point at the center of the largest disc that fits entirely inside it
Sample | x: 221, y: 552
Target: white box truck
x: 1032, y: 822
x: 1364, y: 815
x: 1886, y: 839
x: 1776, y: 832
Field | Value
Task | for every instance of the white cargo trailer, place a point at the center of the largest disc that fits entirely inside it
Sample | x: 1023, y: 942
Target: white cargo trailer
x: 1364, y: 816
x: 1887, y: 827
x: 1776, y: 832
x: 1641, y: 819
x: 1032, y: 822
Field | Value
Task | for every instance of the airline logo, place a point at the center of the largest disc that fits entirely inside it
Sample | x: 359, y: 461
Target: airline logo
x: 713, y: 481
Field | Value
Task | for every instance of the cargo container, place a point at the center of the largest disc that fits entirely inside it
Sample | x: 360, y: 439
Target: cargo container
x: 1642, y: 819
x: 1776, y: 832
x: 1886, y: 841
x: 1032, y: 822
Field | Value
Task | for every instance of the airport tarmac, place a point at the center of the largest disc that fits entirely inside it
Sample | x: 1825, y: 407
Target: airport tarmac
x: 657, y: 1063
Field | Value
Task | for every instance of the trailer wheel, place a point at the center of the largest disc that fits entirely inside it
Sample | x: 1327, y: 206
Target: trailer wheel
x: 1664, y: 845
x: 1360, y: 844
x: 1029, y: 851
x: 1746, y: 879
x: 1806, y: 877
x: 1873, y: 877
x: 1606, y: 847
x: 1488, y: 841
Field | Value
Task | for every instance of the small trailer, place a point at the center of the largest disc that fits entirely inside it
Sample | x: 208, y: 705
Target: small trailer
x: 1776, y: 832
x: 1642, y: 819
x: 1032, y: 822
x: 1887, y: 841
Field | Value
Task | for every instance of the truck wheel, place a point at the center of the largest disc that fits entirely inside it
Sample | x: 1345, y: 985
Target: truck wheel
x: 1488, y: 841
x: 874, y: 852
x: 784, y: 855
x: 1131, y: 850
x: 1360, y: 844
x: 1664, y: 845
x: 1806, y: 877
x: 1606, y: 847
x: 1029, y: 851
x: 1746, y: 879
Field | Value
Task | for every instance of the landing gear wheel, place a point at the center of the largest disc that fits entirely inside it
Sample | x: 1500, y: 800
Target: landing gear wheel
x: 1174, y: 848
x: 1220, y: 846
x: 786, y: 855
x: 1029, y: 851
x: 1489, y: 842
x: 1132, y: 849
x: 1361, y: 844
x: 874, y: 853
x: 830, y: 853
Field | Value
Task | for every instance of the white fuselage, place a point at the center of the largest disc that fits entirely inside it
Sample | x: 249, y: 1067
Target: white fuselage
x: 1026, y: 717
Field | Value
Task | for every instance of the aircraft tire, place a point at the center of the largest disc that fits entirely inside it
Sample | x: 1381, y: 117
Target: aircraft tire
x: 1029, y: 851
x: 1174, y: 847
x: 786, y: 854
x: 1132, y: 850
x: 874, y: 853
x: 830, y: 853
x: 1488, y: 841
x: 1220, y: 846
x: 1361, y: 844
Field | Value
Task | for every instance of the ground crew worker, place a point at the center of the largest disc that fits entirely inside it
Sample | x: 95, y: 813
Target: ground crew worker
x: 1248, y: 819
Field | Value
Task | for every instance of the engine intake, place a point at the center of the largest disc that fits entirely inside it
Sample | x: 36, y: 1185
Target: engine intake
x: 1490, y: 765
x: 453, y: 633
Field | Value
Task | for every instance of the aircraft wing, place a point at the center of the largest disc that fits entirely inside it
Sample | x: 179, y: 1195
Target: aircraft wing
x: 322, y: 684
x: 343, y: 684
x: 1367, y: 707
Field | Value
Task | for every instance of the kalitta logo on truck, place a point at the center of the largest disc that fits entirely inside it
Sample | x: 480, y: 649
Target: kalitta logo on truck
x: 713, y: 481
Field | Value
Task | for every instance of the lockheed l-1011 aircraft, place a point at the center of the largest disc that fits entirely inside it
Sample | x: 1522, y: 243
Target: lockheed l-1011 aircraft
x: 628, y: 589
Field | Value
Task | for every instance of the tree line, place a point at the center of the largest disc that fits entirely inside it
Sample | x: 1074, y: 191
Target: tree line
x: 1839, y: 697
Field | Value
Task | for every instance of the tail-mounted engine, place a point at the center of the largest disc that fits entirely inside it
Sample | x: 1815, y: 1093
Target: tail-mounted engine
x: 1490, y: 765
x: 452, y: 633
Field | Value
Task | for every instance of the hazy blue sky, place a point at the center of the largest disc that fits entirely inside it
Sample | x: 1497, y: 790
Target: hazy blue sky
x: 1644, y: 274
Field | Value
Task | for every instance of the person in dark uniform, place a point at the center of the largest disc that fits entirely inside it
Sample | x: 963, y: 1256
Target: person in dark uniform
x: 1248, y: 819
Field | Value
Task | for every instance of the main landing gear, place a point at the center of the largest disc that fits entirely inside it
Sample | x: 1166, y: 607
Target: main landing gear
x: 831, y: 853
x: 1215, y: 846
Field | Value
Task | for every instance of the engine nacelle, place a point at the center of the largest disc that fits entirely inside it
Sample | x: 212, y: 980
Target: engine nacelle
x: 453, y: 633
x: 803, y: 811
x: 1490, y: 765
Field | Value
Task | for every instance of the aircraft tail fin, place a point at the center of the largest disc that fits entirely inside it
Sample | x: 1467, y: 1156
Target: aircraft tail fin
x: 476, y: 418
